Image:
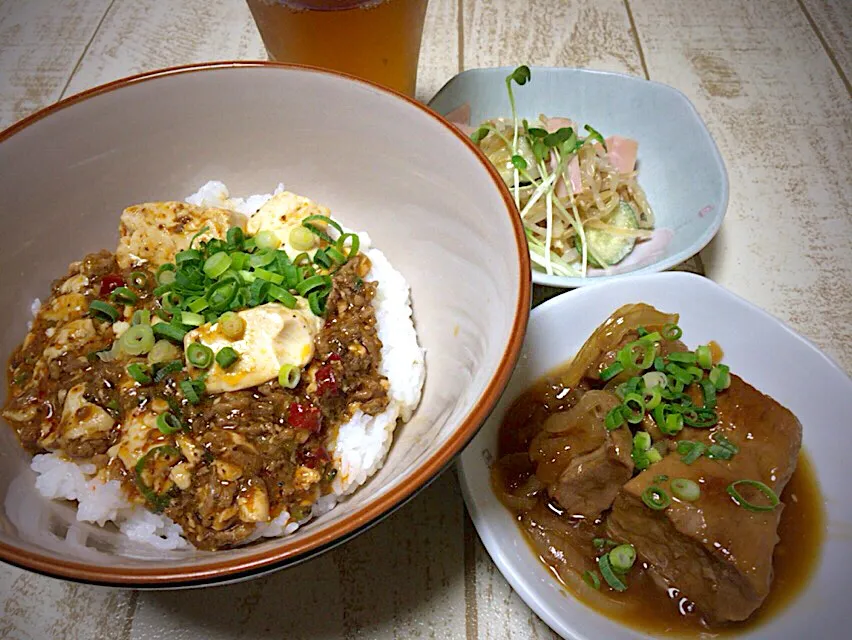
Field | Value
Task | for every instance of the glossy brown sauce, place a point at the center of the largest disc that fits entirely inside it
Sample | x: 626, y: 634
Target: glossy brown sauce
x: 644, y: 606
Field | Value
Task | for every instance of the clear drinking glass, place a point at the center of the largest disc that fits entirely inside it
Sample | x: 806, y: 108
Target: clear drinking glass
x: 377, y: 40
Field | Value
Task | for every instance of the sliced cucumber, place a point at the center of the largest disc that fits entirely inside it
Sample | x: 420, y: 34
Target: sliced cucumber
x: 606, y: 247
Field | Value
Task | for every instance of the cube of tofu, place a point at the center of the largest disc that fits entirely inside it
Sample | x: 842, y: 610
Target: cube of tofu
x: 139, y: 434
x: 155, y: 231
x: 274, y: 336
x: 284, y: 212
x: 82, y: 419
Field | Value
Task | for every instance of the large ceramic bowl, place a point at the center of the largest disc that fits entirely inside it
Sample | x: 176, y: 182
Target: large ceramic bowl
x: 381, y: 162
x: 679, y: 166
x: 763, y: 352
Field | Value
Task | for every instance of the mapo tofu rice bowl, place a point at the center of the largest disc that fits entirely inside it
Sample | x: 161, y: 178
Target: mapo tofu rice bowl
x: 234, y: 369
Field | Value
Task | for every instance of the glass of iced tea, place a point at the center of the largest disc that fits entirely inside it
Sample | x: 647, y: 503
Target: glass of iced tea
x: 378, y: 40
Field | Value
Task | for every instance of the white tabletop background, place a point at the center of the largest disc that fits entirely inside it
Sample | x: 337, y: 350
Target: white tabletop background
x: 771, y: 78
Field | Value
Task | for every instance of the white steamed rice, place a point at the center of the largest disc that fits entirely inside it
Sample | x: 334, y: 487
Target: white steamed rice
x: 358, y: 452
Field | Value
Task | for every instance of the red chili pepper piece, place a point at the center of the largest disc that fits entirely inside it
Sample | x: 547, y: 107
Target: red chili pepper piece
x: 326, y: 380
x: 334, y: 357
x: 304, y: 416
x: 111, y: 282
x: 314, y: 457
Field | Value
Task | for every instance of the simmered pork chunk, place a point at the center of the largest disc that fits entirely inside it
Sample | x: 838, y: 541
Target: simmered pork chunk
x: 582, y: 464
x: 717, y: 553
x: 156, y: 231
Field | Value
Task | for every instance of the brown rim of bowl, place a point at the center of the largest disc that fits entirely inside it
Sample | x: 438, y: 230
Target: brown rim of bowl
x: 316, y: 542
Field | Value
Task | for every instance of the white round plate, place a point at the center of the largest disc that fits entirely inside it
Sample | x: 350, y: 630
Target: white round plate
x: 760, y: 349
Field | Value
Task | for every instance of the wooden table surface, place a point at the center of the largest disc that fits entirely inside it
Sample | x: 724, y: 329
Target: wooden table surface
x: 771, y: 78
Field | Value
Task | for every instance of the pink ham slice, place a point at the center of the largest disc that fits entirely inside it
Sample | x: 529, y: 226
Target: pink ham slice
x: 622, y: 153
x: 561, y: 189
x: 460, y: 116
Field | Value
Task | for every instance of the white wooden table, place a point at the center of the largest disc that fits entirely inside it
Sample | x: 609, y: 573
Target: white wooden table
x: 770, y: 77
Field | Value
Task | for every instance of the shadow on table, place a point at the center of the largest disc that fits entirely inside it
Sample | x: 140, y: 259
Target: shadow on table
x: 400, y: 577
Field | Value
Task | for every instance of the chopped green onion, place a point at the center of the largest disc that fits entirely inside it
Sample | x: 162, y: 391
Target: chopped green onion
x: 191, y: 319
x: 103, y: 310
x: 309, y: 284
x: 198, y: 305
x: 640, y: 459
x: 684, y: 357
x: 138, y: 373
x: 141, y: 316
x: 685, y: 489
x: 600, y: 543
x: 634, y: 408
x: 354, y: 244
x: 235, y: 237
x: 621, y: 558
x: 166, y: 369
x: 262, y: 259
x: 767, y: 492
x: 283, y: 296
x: 266, y: 240
x: 704, y: 356
x: 680, y: 374
x: 157, y: 502
x: 217, y: 264
x: 609, y: 575
x: 222, y: 294
x: 690, y: 451
x: 190, y: 390
x: 591, y: 579
x: 654, y: 379
x: 138, y: 279
x: 123, y: 295
x: 289, y: 375
x: 720, y: 376
x: 652, y: 397
x: 656, y: 498
x: 671, y: 332
x: 335, y: 255
x: 700, y: 418
x: 650, y: 338
x: 611, y: 371
x: 168, y: 423
x: 615, y: 418
x: 709, y: 392
x: 660, y: 478
x: 166, y: 274
x: 317, y: 231
x: 301, y: 239
x: 274, y: 278
x: 673, y: 424
x: 169, y: 331
x: 659, y: 364
x: 722, y: 448
x: 163, y: 351
x: 138, y: 339
x: 232, y: 325
x: 199, y: 355
x: 187, y: 255
x: 642, y: 440
x: 226, y: 357
x: 172, y: 301
x: 653, y: 455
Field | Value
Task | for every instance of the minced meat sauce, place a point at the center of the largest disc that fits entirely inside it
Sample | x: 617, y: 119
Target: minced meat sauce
x: 240, y: 457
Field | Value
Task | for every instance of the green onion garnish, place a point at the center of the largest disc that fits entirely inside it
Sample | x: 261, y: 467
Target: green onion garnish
x: 671, y: 332
x: 198, y: 305
x: 611, y: 371
x: 138, y: 373
x: 615, y: 418
x: 642, y: 440
x: 199, y: 355
x: 217, y: 264
x: 685, y: 489
x: 141, y: 316
x: 656, y: 498
x: 168, y: 423
x: 722, y: 448
x: 190, y: 390
x: 168, y: 331
x: 266, y: 240
x: 191, y: 319
x: 634, y: 408
x: 235, y: 237
x: 289, y: 375
x: 704, y: 356
x: 164, y: 370
x: 591, y: 579
x: 138, y: 280
x: 123, y: 295
x: 232, y: 326
x: 157, y: 502
x: 720, y: 376
x: 103, y: 310
x: 138, y: 339
x: 609, y: 575
x: 690, y: 451
x: 301, y: 239
x: 621, y: 558
x: 226, y: 357
x: 684, y: 357
x: 767, y: 492
x: 283, y: 296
